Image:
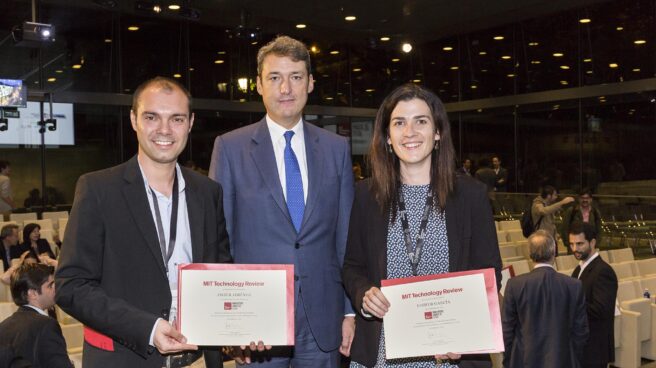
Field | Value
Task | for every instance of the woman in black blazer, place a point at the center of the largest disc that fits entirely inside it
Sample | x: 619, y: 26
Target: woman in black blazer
x: 33, y: 243
x: 412, y: 161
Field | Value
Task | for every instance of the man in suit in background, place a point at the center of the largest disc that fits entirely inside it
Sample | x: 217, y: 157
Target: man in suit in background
x: 130, y: 227
x: 30, y: 332
x: 288, y: 193
x: 500, y: 175
x: 544, y: 320
x: 600, y: 287
x: 8, y: 238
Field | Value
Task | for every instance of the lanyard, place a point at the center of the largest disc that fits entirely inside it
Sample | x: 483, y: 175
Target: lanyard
x: 167, y: 252
x: 416, y: 255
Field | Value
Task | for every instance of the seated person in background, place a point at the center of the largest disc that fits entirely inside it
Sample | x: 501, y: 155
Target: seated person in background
x: 38, y: 248
x: 29, y: 331
x: 9, y: 239
x: 34, y: 199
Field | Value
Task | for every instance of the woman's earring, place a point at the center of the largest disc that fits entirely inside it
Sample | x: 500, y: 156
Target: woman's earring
x: 389, y: 148
x: 437, y: 146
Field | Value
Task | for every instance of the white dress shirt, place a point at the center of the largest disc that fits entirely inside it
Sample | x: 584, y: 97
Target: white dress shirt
x: 587, y: 262
x: 277, y: 133
x: 39, y: 310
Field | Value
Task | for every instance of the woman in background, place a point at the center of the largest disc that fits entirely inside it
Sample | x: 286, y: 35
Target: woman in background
x: 39, y: 248
x: 413, y: 187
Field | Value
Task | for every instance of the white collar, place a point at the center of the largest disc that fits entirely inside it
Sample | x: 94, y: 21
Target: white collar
x: 181, y: 181
x: 587, y: 261
x: 539, y: 265
x: 278, y: 130
x: 39, y: 310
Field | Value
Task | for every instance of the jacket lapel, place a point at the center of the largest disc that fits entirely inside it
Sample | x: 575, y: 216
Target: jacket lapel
x: 315, y: 164
x: 265, y: 161
x: 135, y: 196
x: 195, y: 211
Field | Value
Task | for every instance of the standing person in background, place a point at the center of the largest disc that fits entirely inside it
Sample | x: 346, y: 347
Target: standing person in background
x: 413, y: 189
x: 500, y: 175
x: 544, y: 208
x: 288, y: 194
x: 6, y: 195
x: 466, y: 167
x: 584, y: 211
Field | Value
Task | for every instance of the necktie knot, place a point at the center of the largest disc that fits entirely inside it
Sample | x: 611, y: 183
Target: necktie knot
x: 288, y: 136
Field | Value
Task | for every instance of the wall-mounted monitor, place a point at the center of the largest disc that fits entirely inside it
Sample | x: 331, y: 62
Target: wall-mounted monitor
x: 25, y: 128
x: 13, y: 93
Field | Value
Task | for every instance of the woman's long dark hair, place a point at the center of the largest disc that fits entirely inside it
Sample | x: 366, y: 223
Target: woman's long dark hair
x: 385, y: 169
x: 27, y: 230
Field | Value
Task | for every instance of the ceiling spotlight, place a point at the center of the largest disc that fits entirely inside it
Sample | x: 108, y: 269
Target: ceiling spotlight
x: 369, y: 90
x: 133, y: 28
x: 564, y: 82
x: 535, y: 62
x: 637, y: 70
x: 334, y: 52
x: 482, y: 53
x: 174, y: 7
x: 498, y: 38
x: 219, y: 61
x: 588, y: 60
x: 157, y: 9
x: 533, y: 43
x: 454, y: 67
x: 564, y: 67
x: 585, y: 20
x: 505, y: 57
x: 51, y: 80
x: 301, y: 26
x: 406, y: 47
x: 395, y: 60
x: 177, y: 75
x: 473, y: 86
x: 416, y: 81
x: 350, y: 18
x: 384, y: 38
x: 620, y: 28
x: 59, y: 71
x: 613, y: 65
x: 76, y: 66
x: 558, y: 54
x: 447, y: 48
x: 510, y: 75
x: 314, y: 49
x: 108, y: 40
x: 640, y: 42
x: 357, y: 70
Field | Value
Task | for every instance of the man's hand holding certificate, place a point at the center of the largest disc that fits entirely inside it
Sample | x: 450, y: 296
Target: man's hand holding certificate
x: 222, y: 304
x: 455, y: 312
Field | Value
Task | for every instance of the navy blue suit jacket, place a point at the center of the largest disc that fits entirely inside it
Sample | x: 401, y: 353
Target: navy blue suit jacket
x: 261, y: 230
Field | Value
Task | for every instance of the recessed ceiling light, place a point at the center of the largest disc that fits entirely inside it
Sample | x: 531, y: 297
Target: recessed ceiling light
x: 454, y: 68
x: 482, y: 52
x: 314, y: 49
x: 473, y: 86
x: 588, y: 72
x: 601, y: 97
x: 329, y: 98
x: 357, y: 69
x: 350, y: 18
x: 498, y: 38
x: 636, y: 70
x: 242, y: 100
x: 108, y: 40
x: 174, y: 7
x: 640, y: 42
x: 369, y: 90
x: 510, y: 75
x: 587, y: 60
x: 384, y: 38
x: 59, y: 71
x: 133, y: 28
x: 395, y: 60
x: 445, y: 82
x: 76, y: 66
x: 191, y: 69
x: 506, y: 57
x: 564, y: 82
x: 613, y: 65
x: 620, y: 28
x: 483, y: 70
x: 585, y: 20
x: 177, y: 75
x: 447, y: 48
x: 564, y: 67
x: 219, y: 61
x: 51, y: 80
x: 558, y: 54
x: 535, y: 62
x: 300, y: 26
x: 533, y: 43
x: 334, y: 52
x: 416, y: 81
x: 254, y: 43
x: 221, y: 52
x: 406, y: 47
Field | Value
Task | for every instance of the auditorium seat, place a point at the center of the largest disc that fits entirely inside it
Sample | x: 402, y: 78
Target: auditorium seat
x: 54, y: 217
x: 44, y: 224
x: 604, y: 255
x: 629, y: 294
x: 566, y: 272
x: 509, y: 225
x: 64, y: 318
x: 627, y: 341
x: 22, y: 217
x: 621, y: 255
x: 61, y: 229
x: 7, y: 309
x: 5, y: 293
x: 515, y: 235
x: 519, y: 267
x: 566, y: 262
x: 647, y: 267
x: 502, y: 236
x: 74, y: 336
x: 626, y: 270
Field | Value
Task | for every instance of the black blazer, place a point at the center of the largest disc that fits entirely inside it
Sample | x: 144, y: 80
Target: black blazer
x: 35, y: 338
x: 544, y: 320
x: 600, y: 288
x: 42, y: 246
x: 472, y: 245
x: 111, y: 274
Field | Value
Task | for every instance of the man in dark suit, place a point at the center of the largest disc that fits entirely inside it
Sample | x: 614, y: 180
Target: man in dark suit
x: 544, y: 320
x: 30, y: 332
x: 8, y: 238
x: 288, y: 193
x: 600, y: 287
x: 500, y: 175
x: 118, y: 267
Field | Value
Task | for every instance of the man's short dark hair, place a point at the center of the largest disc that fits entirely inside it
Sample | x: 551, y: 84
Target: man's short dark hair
x: 7, y: 230
x: 29, y: 276
x: 585, y: 191
x: 547, y: 190
x: 4, y: 164
x: 542, y: 247
x: 284, y: 46
x: 584, y: 228
x: 167, y: 84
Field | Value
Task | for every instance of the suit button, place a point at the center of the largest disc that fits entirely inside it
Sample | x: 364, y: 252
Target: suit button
x: 297, y: 245
x: 295, y: 277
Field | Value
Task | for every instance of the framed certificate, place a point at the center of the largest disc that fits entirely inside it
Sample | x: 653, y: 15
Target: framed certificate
x: 234, y: 304
x: 454, y: 312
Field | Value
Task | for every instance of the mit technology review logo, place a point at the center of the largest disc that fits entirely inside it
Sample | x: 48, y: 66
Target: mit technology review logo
x: 232, y: 305
x: 433, y: 314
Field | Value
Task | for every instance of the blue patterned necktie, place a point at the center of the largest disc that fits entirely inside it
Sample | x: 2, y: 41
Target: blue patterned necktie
x: 295, y: 201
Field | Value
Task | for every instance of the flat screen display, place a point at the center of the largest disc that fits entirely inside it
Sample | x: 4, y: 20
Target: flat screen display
x: 25, y: 129
x: 12, y: 93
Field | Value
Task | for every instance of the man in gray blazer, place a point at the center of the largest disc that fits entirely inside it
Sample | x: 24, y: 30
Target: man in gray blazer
x: 544, y: 318
x: 288, y: 191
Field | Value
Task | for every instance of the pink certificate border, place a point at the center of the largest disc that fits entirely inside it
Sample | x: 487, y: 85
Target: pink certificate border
x: 492, y: 299
x: 289, y: 278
